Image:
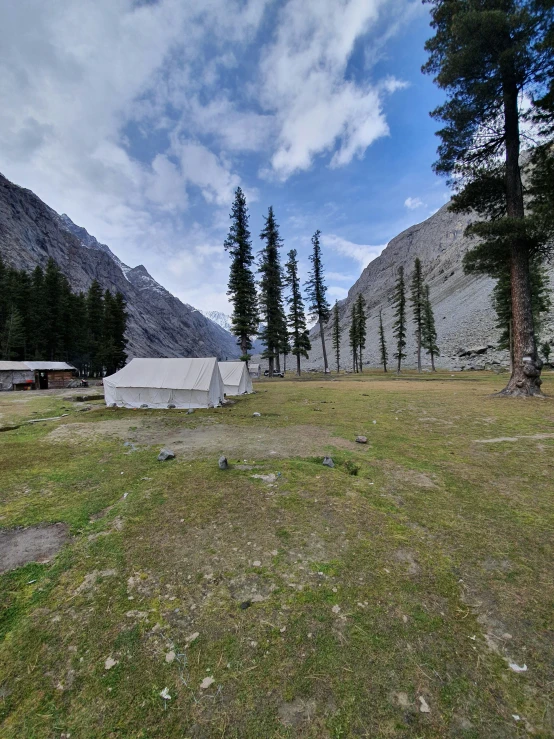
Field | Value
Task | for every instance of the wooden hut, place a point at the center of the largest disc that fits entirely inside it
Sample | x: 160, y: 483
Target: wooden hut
x: 50, y: 375
x: 16, y: 376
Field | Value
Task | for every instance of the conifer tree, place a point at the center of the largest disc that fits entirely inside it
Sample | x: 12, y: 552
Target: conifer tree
x: 399, y: 327
x: 271, y: 292
x: 316, y: 291
x: 13, y: 336
x: 353, y: 336
x: 37, y: 349
x: 428, y: 330
x: 417, y: 299
x: 488, y: 56
x: 52, y: 310
x: 242, y: 285
x: 361, y: 328
x: 382, y: 342
x: 300, y: 339
x: 120, y: 327
x: 95, y: 324
x: 337, y: 332
x: 545, y: 350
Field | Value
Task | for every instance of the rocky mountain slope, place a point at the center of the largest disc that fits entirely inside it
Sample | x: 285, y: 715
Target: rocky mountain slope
x: 159, y: 325
x: 464, y: 316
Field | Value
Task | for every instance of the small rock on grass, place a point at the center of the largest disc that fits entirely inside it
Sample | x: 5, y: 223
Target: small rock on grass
x: 165, y: 454
x: 109, y: 663
x: 256, y: 415
x: 424, y: 707
x: 328, y: 462
x: 245, y: 604
x: 223, y: 464
x: 170, y: 656
x: 206, y: 682
x: 361, y: 439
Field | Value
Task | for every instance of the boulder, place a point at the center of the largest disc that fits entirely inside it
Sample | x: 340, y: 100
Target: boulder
x: 328, y: 462
x: 223, y: 464
x: 165, y: 454
x: 361, y: 439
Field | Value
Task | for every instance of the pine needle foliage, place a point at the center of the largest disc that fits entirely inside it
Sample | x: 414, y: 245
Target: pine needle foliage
x: 300, y: 339
x: 417, y: 300
x: 242, y: 284
x: 399, y: 327
x: 336, y: 335
x: 361, y: 328
x: 316, y: 290
x: 382, y: 343
x: 270, y: 299
x: 428, y: 330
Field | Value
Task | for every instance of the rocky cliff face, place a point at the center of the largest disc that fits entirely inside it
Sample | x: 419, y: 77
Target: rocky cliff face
x: 464, y: 315
x: 159, y: 325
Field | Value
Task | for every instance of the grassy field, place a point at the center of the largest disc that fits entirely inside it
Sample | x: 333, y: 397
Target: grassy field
x: 395, y: 595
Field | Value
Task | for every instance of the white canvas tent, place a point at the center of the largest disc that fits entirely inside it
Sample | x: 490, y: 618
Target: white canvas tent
x: 159, y: 383
x: 236, y: 379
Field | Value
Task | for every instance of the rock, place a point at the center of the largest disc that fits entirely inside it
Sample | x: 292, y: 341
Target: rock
x: 171, y: 405
x: 424, y: 708
x: 144, y: 405
x: 192, y: 637
x: 170, y: 656
x: 328, y: 462
x: 361, y: 439
x: 245, y: 604
x: 223, y: 464
x: 109, y: 663
x: 206, y: 682
x: 256, y: 415
x: 165, y: 454
x: 478, y: 349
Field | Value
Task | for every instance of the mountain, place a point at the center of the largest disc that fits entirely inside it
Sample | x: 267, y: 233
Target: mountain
x: 222, y: 319
x: 159, y: 324
x: 464, y: 316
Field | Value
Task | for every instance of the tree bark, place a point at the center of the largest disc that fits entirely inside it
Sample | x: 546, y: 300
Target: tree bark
x: 325, y: 365
x: 433, y: 361
x: 418, y: 334
x: 298, y: 370
x: 526, y: 368
x: 270, y: 361
x: 277, y: 363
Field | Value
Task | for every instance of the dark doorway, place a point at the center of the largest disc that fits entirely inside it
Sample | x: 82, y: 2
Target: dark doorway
x: 43, y: 380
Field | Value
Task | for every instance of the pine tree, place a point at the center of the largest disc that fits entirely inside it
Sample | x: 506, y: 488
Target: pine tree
x: 37, y: 347
x: 428, y: 330
x: 95, y: 324
x: 417, y: 300
x: 242, y: 285
x: 488, y: 56
x: 399, y: 327
x: 13, y: 336
x: 271, y: 292
x: 382, y: 342
x: 353, y: 337
x: 120, y: 327
x: 361, y: 327
x: 337, y: 332
x: 52, y: 310
x: 300, y: 338
x: 316, y: 290
x: 545, y: 350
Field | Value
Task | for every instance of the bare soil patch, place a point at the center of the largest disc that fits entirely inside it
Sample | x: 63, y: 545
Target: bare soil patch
x: 18, y: 547
x: 233, y: 441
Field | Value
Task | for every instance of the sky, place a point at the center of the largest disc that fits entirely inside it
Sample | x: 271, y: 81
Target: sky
x: 139, y: 118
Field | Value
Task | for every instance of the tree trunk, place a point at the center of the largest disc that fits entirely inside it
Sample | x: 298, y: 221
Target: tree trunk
x: 526, y: 368
x: 277, y: 363
x: 270, y: 360
x: 361, y: 363
x: 419, y: 348
x: 298, y: 370
x: 284, y: 364
x: 399, y: 363
x: 433, y: 361
x: 325, y: 365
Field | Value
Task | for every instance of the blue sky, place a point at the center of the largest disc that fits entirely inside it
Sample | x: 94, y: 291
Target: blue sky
x: 138, y: 120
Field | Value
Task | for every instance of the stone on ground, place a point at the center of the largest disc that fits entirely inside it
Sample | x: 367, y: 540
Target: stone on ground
x: 165, y: 454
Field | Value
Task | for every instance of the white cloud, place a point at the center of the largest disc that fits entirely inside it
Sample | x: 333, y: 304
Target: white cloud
x: 413, y: 203
x: 202, y: 168
x: 334, y: 291
x: 304, y: 83
x: 340, y: 277
x: 363, y: 254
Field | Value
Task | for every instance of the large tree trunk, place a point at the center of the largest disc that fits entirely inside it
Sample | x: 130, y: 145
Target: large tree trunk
x: 526, y: 368
x: 433, y: 361
x: 298, y: 370
x: 325, y: 365
x: 270, y: 361
x: 418, y: 334
x: 277, y: 363
x: 284, y: 364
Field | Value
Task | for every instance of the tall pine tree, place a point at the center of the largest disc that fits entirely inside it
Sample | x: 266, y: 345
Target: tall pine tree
x: 353, y: 336
x: 242, y: 285
x: 428, y: 330
x: 361, y: 328
x: 417, y: 299
x: 316, y: 293
x: 382, y: 343
x: 399, y: 327
x: 300, y: 339
x: 271, y: 292
x: 337, y: 332
x: 488, y: 56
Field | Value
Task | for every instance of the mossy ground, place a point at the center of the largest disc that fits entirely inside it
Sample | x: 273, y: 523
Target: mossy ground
x: 327, y: 602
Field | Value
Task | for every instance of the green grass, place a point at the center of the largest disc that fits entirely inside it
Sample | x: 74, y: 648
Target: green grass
x: 417, y: 567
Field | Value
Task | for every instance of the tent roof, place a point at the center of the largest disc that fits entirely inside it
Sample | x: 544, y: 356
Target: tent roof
x: 181, y: 373
x: 231, y: 372
x: 49, y: 366
x: 13, y: 366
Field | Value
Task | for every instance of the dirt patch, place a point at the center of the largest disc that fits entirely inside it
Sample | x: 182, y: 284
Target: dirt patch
x: 18, y: 547
x: 403, y: 475
x: 207, y: 440
x: 297, y: 713
x: 513, y: 438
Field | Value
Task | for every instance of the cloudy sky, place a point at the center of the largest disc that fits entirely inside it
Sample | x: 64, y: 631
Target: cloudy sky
x: 138, y: 118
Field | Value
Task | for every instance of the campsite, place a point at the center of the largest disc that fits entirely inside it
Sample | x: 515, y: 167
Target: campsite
x: 406, y: 591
